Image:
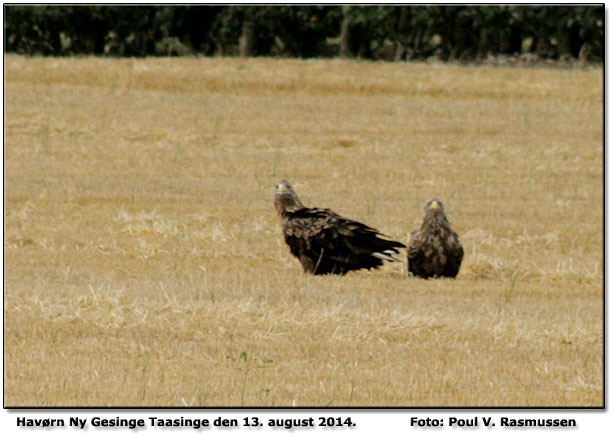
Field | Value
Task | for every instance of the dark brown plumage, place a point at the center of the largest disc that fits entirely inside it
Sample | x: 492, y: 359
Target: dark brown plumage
x: 325, y: 242
x: 434, y: 250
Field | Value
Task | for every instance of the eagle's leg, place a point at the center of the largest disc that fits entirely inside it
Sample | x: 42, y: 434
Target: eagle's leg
x: 308, y: 265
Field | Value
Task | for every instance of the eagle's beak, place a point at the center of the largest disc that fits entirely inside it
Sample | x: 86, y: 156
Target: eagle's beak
x: 434, y: 205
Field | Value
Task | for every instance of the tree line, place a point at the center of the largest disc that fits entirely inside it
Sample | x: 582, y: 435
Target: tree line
x: 462, y: 33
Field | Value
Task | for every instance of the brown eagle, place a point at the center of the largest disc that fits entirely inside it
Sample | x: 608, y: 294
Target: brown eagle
x: 325, y: 242
x: 434, y: 249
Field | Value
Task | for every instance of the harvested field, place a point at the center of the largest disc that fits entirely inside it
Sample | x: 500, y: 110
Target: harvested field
x: 144, y: 263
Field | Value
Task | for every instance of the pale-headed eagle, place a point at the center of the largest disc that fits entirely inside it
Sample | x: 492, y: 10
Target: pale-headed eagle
x: 325, y: 242
x: 434, y: 249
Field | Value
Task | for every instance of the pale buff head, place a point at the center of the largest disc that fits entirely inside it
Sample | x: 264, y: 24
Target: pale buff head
x: 286, y: 200
x: 433, y: 205
x: 434, y: 212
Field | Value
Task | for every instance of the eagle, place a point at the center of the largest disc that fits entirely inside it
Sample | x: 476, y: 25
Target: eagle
x: 324, y: 242
x: 434, y: 250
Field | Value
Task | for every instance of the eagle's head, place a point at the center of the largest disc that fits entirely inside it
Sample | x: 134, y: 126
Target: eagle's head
x: 286, y: 200
x: 433, y: 205
x: 434, y: 213
x: 284, y: 187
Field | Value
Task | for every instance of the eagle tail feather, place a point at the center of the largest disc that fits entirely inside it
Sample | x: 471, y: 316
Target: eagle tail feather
x: 387, y: 255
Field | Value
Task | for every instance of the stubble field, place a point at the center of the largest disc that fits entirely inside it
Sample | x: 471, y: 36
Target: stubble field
x: 144, y: 263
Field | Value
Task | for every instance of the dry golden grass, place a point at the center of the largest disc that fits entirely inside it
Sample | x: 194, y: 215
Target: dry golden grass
x: 144, y: 264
